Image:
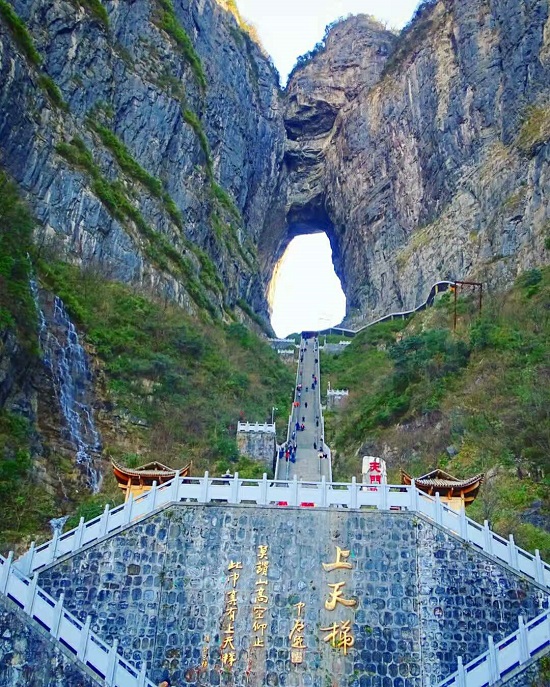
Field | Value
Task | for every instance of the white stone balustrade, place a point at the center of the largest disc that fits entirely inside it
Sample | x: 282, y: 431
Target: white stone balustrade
x: 263, y: 427
x: 270, y: 493
x: 337, y: 392
x: 510, y: 653
x: 103, y: 659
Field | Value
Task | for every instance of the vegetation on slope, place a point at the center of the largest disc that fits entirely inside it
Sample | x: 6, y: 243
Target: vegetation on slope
x: 477, y: 400
x: 176, y: 384
x: 17, y: 310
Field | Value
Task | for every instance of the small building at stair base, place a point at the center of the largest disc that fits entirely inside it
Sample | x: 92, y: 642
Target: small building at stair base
x: 136, y: 481
x: 457, y: 493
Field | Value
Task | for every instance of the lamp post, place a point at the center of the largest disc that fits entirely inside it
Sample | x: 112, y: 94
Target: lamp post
x: 273, y: 409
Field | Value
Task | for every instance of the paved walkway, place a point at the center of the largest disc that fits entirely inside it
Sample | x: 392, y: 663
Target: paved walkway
x: 308, y: 467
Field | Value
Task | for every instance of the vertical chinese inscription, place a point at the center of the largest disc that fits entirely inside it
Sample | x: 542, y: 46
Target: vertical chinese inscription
x: 228, y: 652
x: 339, y: 634
x: 261, y: 598
x: 296, y: 636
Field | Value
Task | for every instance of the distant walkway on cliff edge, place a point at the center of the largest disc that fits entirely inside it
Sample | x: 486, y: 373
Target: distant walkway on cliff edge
x: 309, y: 442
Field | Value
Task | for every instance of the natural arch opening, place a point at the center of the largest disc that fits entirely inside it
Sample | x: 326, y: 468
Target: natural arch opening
x: 305, y: 292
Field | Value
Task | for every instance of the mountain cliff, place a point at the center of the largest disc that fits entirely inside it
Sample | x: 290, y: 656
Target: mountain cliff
x: 424, y: 156
x: 147, y: 137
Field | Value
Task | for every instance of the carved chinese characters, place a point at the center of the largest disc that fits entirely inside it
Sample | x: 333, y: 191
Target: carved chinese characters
x: 339, y: 633
x: 261, y: 599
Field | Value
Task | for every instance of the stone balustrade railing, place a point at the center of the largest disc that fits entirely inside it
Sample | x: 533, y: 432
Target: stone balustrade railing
x: 271, y: 493
x: 337, y: 392
x: 103, y: 659
x: 264, y: 427
x: 500, y: 659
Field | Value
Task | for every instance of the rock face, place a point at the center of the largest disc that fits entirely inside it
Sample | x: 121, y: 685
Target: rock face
x: 163, y: 159
x: 429, y: 160
x: 190, y: 98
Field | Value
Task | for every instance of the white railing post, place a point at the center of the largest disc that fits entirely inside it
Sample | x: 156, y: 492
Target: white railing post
x: 294, y: 491
x: 487, y: 537
x: 31, y: 593
x: 234, y: 496
x: 204, y: 488
x: 461, y: 673
x: 353, y: 492
x: 438, y: 509
x: 28, y: 560
x: 152, y: 497
x: 263, y: 490
x: 324, y: 492
x: 52, y: 548
x: 142, y: 677
x: 175, y: 486
x: 77, y: 538
x: 523, y: 643
x: 539, y: 568
x: 111, y: 664
x: 129, y: 504
x: 4, y: 576
x: 83, y: 643
x: 383, y: 495
x: 414, y: 495
x: 57, y: 614
x: 104, y: 523
x: 513, y: 553
x: 494, y: 673
x: 463, y: 524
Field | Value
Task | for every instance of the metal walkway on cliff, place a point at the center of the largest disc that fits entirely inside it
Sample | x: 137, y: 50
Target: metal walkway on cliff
x: 307, y: 411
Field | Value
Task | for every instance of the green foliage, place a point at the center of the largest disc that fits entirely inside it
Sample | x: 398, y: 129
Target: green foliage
x: 484, y: 390
x: 97, y: 10
x: 169, y: 23
x: 535, y: 128
x: 187, y: 381
x: 24, y: 505
x: 130, y: 165
x: 221, y: 196
x: 20, y: 33
x: 243, y: 305
x: 159, y: 250
x: 17, y: 309
x: 194, y: 122
x: 127, y: 163
x: 52, y: 90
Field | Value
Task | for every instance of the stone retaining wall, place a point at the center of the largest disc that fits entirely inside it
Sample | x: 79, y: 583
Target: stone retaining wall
x: 423, y: 597
x: 29, y: 657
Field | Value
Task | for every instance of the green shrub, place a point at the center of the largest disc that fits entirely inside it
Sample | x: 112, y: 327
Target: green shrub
x: 20, y: 33
x: 97, y: 10
x: 221, y: 196
x: 194, y: 122
x: 169, y: 22
x: 127, y: 163
x: 17, y: 308
x: 52, y: 90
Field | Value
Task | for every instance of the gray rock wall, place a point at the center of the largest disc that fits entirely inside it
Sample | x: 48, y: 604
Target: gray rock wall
x: 134, y: 80
x: 435, y: 165
x: 29, y: 657
x: 161, y: 588
x: 259, y: 446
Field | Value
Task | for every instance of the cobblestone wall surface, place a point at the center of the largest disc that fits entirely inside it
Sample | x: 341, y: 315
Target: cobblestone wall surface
x: 463, y: 597
x: 163, y: 587
x: 30, y: 658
